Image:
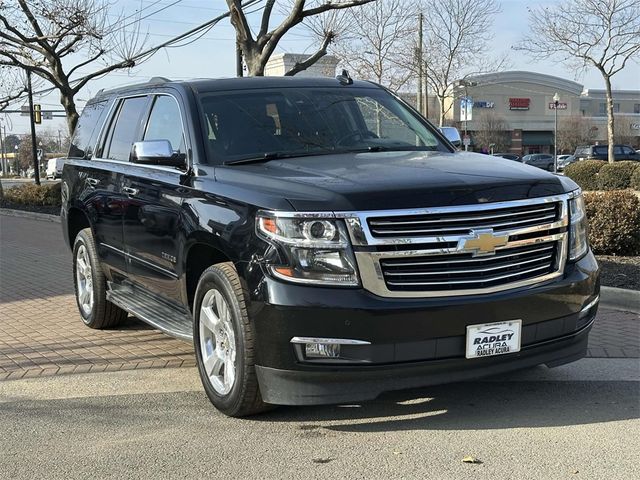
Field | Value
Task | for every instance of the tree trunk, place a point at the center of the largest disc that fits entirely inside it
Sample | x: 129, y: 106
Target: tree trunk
x: 441, y: 100
x: 69, y: 104
x: 610, y: 120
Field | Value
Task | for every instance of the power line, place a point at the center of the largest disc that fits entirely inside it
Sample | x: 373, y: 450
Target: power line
x: 149, y: 52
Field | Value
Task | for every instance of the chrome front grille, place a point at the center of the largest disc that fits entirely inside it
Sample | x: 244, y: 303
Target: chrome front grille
x: 461, y: 250
x: 441, y: 273
x: 457, y: 222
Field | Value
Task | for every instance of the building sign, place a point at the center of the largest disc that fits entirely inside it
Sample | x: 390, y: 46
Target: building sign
x: 519, y: 103
x: 561, y: 105
x: 483, y: 104
x: 466, y: 109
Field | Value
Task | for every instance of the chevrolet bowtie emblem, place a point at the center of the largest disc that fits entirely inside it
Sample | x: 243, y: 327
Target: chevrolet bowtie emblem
x: 482, y: 242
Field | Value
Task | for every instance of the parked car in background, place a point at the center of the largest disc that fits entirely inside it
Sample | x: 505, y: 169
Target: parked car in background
x: 509, y: 156
x: 564, y: 161
x: 601, y: 152
x: 54, y: 168
x: 540, y: 160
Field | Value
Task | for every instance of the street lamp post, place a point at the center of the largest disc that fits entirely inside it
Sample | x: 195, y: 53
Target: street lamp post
x: 556, y: 102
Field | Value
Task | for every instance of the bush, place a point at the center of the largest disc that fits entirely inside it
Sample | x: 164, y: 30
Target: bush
x: 635, y: 179
x: 32, y: 194
x: 614, y: 222
x: 585, y: 172
x: 616, y: 176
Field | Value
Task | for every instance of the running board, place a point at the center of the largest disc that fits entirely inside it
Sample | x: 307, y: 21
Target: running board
x: 157, y: 312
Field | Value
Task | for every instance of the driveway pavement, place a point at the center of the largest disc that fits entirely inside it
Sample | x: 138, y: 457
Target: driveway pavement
x: 41, y: 333
x: 579, y: 421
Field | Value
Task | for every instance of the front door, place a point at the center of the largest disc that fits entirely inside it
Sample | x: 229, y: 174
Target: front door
x: 151, y: 221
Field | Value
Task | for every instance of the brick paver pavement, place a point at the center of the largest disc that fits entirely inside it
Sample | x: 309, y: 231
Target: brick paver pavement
x: 40, y: 329
x: 41, y: 332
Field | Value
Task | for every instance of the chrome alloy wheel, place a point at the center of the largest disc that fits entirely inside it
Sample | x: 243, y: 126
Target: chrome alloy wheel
x: 218, y: 342
x: 84, y: 280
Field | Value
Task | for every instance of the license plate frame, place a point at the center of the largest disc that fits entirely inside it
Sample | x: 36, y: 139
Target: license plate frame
x: 493, y: 339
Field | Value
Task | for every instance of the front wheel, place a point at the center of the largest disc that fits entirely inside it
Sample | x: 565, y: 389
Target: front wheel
x: 224, y: 343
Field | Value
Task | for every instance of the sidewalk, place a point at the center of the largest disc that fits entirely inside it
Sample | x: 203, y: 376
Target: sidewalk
x: 41, y: 332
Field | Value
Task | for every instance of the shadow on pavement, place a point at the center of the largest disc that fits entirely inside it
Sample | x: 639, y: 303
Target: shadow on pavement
x: 475, y: 405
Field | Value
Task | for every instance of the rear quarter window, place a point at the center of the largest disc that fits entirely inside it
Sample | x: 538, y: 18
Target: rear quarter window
x: 87, y: 129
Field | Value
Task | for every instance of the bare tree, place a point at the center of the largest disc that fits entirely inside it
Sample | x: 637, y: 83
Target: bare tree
x: 12, y: 86
x: 55, y: 39
x: 491, y: 129
x: 574, y: 131
x: 457, y: 36
x: 257, y: 49
x: 371, y: 41
x: 604, y: 34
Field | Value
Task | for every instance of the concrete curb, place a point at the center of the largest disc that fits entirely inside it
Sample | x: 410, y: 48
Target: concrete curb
x: 32, y: 215
x: 620, y: 299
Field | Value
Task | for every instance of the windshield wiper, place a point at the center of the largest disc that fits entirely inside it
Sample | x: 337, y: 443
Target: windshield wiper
x: 263, y: 158
x: 389, y: 148
x: 276, y: 156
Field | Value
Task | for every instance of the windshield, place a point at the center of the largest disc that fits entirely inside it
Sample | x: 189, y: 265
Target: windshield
x: 308, y: 121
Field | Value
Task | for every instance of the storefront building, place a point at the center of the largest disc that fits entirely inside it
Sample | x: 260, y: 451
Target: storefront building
x: 522, y: 104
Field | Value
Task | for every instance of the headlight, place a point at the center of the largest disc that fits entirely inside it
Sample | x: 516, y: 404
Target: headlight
x: 578, y: 243
x: 316, y: 250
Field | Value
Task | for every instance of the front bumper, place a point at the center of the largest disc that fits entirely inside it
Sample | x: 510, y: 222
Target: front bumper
x: 413, y: 342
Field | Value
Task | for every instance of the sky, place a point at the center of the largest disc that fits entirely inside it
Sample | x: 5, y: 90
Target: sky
x: 214, y: 54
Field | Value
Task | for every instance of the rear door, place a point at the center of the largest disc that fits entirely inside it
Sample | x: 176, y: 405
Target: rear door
x: 96, y: 184
x: 151, y: 233
x: 112, y: 156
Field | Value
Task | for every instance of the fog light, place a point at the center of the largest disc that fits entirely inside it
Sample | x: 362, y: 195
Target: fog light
x: 322, y: 350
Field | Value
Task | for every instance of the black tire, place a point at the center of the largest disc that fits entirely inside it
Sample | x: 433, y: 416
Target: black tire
x: 244, y: 398
x: 103, y: 314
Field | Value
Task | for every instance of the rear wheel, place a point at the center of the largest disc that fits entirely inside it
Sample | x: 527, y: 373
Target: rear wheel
x: 91, y: 286
x: 224, y: 343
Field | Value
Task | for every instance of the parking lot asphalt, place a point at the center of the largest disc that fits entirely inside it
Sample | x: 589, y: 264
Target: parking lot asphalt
x: 579, y: 421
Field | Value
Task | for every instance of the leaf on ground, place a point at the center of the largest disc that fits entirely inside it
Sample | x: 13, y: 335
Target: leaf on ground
x: 471, y: 459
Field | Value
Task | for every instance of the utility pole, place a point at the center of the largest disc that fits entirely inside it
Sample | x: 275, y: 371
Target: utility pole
x: 239, y: 72
x: 420, y: 66
x: 34, y: 149
x: 3, y: 156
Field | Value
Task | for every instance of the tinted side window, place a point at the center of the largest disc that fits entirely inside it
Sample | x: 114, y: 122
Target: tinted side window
x: 124, y: 131
x: 600, y: 150
x: 165, y: 123
x: 87, y: 129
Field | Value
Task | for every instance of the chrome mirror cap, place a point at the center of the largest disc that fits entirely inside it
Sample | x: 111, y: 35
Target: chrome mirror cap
x: 452, y: 134
x: 156, y: 152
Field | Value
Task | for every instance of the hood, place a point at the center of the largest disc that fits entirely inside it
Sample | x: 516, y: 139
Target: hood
x: 393, y: 180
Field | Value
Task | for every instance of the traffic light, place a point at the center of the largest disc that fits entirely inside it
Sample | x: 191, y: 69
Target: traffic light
x: 37, y: 114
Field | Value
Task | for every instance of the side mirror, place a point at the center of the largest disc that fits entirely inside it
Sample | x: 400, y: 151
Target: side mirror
x: 453, y: 135
x: 156, y: 152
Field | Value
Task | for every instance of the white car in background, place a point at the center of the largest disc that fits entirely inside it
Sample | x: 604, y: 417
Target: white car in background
x: 54, y: 168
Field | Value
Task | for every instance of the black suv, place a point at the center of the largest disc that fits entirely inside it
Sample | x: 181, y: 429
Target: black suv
x: 319, y: 241
x: 601, y: 152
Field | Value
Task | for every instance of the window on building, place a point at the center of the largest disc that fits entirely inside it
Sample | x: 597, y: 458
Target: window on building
x: 636, y: 108
x: 602, y: 109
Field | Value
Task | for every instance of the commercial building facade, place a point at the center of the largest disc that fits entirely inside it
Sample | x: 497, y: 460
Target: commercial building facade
x: 524, y: 104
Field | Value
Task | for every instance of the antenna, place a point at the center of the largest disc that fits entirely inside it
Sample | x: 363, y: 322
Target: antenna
x: 344, y: 78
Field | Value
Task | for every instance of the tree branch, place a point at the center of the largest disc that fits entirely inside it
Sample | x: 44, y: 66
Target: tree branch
x: 321, y: 52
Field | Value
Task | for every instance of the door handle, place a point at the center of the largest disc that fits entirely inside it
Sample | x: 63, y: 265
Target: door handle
x: 130, y: 191
x: 93, y: 181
